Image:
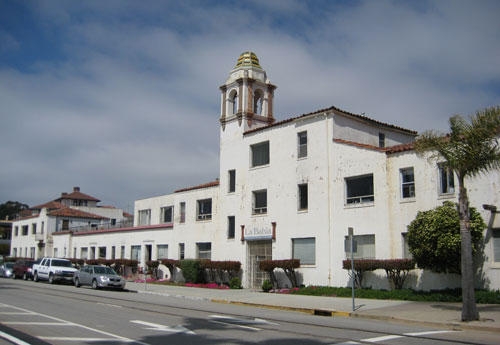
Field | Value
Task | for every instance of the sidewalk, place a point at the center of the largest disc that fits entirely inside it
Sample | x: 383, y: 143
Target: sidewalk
x: 433, y: 314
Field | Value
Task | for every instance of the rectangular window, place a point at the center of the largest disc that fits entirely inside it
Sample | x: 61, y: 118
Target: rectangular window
x: 102, y: 252
x: 407, y: 183
x: 364, y: 247
x: 496, y: 244
x: 24, y: 230
x: 304, y: 249
x: 446, y: 180
x: 406, y: 248
x: 182, y: 212
x: 42, y: 229
x: 204, y: 211
x: 359, y: 189
x: 181, y: 251
x: 113, y: 252
x: 33, y: 228
x: 259, y: 202
x: 167, y: 214
x: 204, y: 250
x: 260, y: 154
x: 381, y: 140
x: 231, y: 226
x: 65, y: 224
x: 84, y: 253
x: 16, y: 232
x: 32, y: 252
x: 144, y: 217
x: 135, y: 252
x: 232, y: 181
x: 162, y: 251
x: 122, y: 252
x: 303, y: 198
x: 92, y: 253
x: 302, y: 144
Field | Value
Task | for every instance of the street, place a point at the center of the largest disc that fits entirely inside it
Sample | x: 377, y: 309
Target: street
x: 41, y: 313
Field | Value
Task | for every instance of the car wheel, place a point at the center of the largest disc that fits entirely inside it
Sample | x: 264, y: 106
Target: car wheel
x: 51, y: 279
x: 77, y: 282
x: 94, y: 284
x: 35, y: 277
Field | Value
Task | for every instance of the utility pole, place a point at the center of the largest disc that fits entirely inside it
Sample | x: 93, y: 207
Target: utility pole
x: 351, y: 240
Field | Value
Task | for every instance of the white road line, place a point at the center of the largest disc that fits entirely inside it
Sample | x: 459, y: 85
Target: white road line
x: 164, y: 328
x: 417, y: 334
x: 12, y: 339
x: 383, y: 338
x: 240, y: 326
x: 84, y: 339
x: 35, y: 323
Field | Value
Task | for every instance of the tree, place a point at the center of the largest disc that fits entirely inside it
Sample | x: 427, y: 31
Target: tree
x: 471, y: 148
x: 434, y: 238
x: 11, y: 208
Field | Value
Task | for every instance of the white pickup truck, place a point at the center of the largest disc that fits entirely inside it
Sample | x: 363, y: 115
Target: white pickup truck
x: 54, y: 269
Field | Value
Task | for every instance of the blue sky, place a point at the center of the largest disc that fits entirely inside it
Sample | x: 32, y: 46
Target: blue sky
x: 122, y: 98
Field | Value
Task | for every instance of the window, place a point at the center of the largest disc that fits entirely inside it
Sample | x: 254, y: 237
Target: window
x: 232, y: 181
x: 446, y: 180
x: 84, y: 252
x: 162, y: 251
x: 144, y: 217
x: 303, y: 202
x: 92, y: 253
x: 204, y: 209
x: 259, y: 202
x: 260, y: 154
x: 65, y: 224
x: 113, y: 252
x: 304, y: 249
x: 135, y: 252
x: 407, y: 183
x: 381, y: 140
x: 102, y: 252
x: 24, y: 230
x: 496, y: 244
x: 406, y: 247
x: 33, y: 228
x: 181, y: 251
x: 364, y: 247
x: 182, y: 212
x: 233, y: 101
x: 43, y: 226
x: 204, y: 250
x: 122, y: 252
x: 166, y: 214
x: 16, y: 232
x: 359, y: 189
x: 231, y: 226
x: 257, y: 102
x: 302, y: 142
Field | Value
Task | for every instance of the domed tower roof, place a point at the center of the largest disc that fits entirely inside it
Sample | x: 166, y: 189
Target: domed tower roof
x: 248, y: 59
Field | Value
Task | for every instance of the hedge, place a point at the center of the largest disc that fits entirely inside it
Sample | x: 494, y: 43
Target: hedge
x: 288, y: 266
x: 396, y: 270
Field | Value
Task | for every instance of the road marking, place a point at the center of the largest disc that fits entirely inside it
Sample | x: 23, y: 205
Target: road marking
x: 35, y: 323
x: 12, y: 339
x: 417, y: 334
x: 383, y: 338
x: 109, y: 305
x: 85, y: 339
x: 163, y: 328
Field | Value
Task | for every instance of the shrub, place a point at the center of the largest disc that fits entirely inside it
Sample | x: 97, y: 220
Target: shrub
x: 235, y: 283
x: 397, y: 270
x: 360, y: 267
x: 192, y: 271
x: 267, y: 286
x: 288, y: 266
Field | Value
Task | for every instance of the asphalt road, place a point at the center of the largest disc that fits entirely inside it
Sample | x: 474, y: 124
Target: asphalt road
x: 40, y: 313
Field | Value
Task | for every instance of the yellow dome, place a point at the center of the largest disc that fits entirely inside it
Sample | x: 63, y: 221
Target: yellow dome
x: 248, y: 59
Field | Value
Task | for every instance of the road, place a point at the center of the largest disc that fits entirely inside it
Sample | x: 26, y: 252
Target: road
x: 40, y: 313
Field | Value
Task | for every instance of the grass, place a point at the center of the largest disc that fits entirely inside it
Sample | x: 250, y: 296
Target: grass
x: 449, y: 295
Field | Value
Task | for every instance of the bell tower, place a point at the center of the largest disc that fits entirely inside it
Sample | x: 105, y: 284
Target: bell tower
x: 247, y: 95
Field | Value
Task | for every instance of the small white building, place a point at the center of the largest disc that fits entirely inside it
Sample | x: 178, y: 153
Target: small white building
x: 33, y: 232
x: 291, y: 189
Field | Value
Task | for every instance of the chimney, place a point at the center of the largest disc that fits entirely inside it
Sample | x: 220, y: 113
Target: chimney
x: 63, y: 194
x: 76, y: 189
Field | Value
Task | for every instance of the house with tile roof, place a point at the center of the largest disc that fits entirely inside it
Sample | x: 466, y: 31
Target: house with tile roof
x: 292, y: 189
x: 33, y: 230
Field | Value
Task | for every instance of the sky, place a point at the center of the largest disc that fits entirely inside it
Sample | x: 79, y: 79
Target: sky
x: 122, y: 99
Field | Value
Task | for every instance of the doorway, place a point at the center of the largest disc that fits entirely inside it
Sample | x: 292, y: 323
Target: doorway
x: 257, y: 252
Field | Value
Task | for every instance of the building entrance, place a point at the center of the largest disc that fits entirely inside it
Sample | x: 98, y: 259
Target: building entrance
x: 256, y: 252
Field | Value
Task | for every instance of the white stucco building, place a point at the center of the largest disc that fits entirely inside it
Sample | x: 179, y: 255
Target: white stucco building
x: 291, y: 189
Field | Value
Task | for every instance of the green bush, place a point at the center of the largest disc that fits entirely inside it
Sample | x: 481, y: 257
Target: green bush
x: 192, y: 271
x: 235, y: 283
x: 267, y: 285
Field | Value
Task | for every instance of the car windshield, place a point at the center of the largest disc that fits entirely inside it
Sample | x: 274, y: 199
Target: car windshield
x: 63, y: 263
x: 9, y: 264
x: 104, y: 270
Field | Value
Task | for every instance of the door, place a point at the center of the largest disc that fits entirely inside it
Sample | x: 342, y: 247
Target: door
x: 258, y: 251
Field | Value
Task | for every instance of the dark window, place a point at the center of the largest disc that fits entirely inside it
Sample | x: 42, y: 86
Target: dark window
x: 303, y: 201
x: 204, y: 209
x: 167, y: 214
x: 407, y: 183
x: 232, y: 181
x: 381, y: 140
x: 302, y: 142
x: 359, y: 189
x: 260, y: 154
x: 231, y: 226
x: 182, y: 210
x: 260, y: 202
x: 446, y: 180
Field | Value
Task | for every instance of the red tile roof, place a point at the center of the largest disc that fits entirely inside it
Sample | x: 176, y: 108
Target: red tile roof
x: 73, y: 213
x: 77, y: 195
x: 205, y: 185
x: 51, y: 205
x: 340, y: 112
x: 388, y: 150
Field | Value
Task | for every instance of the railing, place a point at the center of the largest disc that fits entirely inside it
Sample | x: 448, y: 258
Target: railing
x: 105, y: 226
x: 205, y: 216
x: 259, y: 210
x: 360, y: 199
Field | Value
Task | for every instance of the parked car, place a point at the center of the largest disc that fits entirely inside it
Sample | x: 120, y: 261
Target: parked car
x: 23, y: 269
x: 54, y: 270
x: 98, y: 277
x: 6, y: 269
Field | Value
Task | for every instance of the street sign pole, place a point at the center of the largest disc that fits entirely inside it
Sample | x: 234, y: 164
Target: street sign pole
x: 351, y: 239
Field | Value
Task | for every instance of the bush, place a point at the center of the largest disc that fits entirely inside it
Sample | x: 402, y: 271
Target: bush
x: 235, y: 283
x: 267, y: 285
x: 192, y: 271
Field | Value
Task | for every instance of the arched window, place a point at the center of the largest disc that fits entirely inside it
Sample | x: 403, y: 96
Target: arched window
x: 257, y: 102
x: 233, y: 100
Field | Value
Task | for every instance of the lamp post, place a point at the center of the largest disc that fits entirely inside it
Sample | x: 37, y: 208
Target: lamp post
x: 350, y: 231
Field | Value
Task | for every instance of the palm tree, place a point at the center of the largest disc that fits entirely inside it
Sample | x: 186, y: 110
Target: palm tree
x: 471, y: 148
